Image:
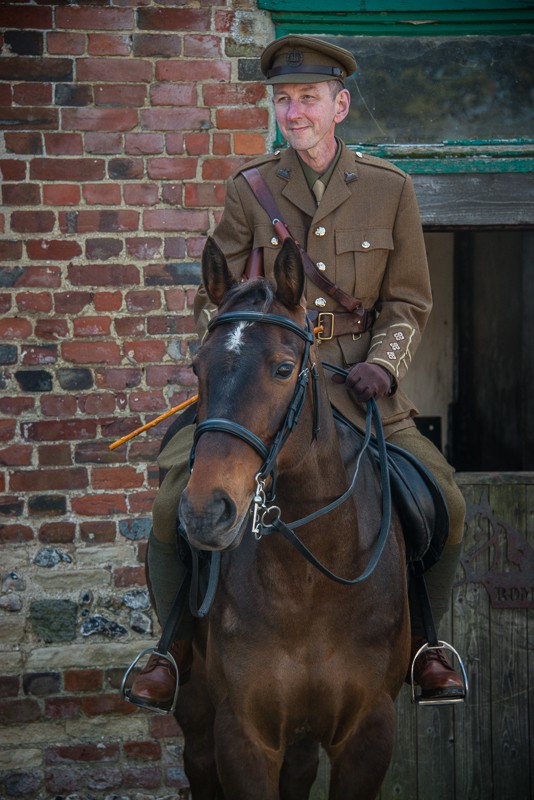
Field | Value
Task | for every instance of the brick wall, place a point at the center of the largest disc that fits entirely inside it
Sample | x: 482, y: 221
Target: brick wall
x: 120, y: 122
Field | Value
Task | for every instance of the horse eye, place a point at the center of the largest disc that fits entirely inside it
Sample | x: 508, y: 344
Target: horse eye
x: 284, y: 370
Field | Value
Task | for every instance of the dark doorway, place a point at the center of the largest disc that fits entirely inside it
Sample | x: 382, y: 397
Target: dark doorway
x: 492, y: 417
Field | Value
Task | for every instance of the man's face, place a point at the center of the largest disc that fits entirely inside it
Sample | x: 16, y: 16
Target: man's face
x: 307, y: 113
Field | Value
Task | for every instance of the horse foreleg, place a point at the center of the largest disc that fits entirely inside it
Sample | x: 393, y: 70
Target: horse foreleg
x: 248, y: 770
x: 299, y: 770
x: 359, y: 765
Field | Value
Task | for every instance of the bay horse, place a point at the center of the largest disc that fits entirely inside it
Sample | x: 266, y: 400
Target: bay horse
x: 287, y: 659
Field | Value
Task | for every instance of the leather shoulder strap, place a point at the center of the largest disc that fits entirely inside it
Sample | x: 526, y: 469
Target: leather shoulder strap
x: 266, y: 200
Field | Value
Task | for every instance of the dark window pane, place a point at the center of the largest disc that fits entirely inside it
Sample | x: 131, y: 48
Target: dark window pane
x: 440, y: 89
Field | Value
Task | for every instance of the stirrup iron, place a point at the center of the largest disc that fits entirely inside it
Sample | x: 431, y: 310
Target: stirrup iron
x: 125, y: 693
x: 418, y: 698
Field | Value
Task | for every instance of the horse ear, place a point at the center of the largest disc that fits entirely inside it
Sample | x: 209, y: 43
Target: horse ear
x: 289, y: 275
x: 216, y: 276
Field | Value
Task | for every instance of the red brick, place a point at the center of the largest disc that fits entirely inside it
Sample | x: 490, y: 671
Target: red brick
x: 173, y: 94
x: 15, y: 328
x: 15, y: 406
x: 97, y: 403
x: 83, y: 680
x: 103, y: 248
x: 103, y: 143
x: 85, y: 752
x: 10, y: 250
x: 171, y: 119
x: 233, y: 94
x: 140, y: 194
x: 175, y: 220
x: 142, y: 777
x: 34, y: 355
x: 19, y: 711
x: 129, y: 576
x: 145, y: 352
x: 103, y: 19
x: 141, y: 503
x: 70, y: 169
x: 32, y: 94
x: 106, y: 220
x: 143, y: 248
x: 197, y: 144
x: 175, y: 299
x: 111, y: 478
x: 9, y: 685
x: 164, y: 727
x: 21, y: 194
x: 12, y: 170
x: 172, y: 194
x: 154, y: 44
x: 249, y: 144
x: 181, y: 70
x: 174, y: 247
x: 59, y: 43
x: 6, y: 95
x: 91, y: 352
x: 52, y: 249
x: 58, y: 405
x: 130, y: 326
x: 63, y: 144
x: 106, y: 704
x: 48, y: 277
x: 175, y: 143
x: 59, y: 430
x: 202, y: 46
x: 242, y: 118
x: 15, y: 534
x: 54, y: 455
x: 7, y: 429
x: 108, y: 301
x: 108, y: 44
x: 32, y: 221
x: 173, y: 19
x: 61, y: 194
x: 218, y: 169
x: 101, y: 505
x: 224, y: 20
x: 103, y: 194
x: 103, y: 275
x: 126, y: 168
x: 5, y: 302
x: 143, y: 751
x: 99, y: 119
x: 18, y: 455
x: 71, y: 302
x: 98, y: 533
x: 23, y: 143
x: 143, y: 143
x: 204, y: 194
x: 62, y: 707
x: 49, y: 480
x: 57, y: 532
x: 143, y: 300
x: 121, y: 378
x: 147, y: 401
x: 34, y: 301
x: 131, y: 95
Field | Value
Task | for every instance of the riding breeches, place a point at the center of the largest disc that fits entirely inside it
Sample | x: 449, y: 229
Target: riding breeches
x: 175, y: 459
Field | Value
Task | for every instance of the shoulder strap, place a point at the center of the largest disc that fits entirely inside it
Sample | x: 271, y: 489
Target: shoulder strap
x: 267, y: 202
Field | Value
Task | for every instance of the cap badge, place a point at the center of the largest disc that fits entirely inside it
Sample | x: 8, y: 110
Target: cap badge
x: 295, y: 57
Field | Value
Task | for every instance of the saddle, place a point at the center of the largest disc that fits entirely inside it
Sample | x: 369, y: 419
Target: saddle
x: 418, y: 500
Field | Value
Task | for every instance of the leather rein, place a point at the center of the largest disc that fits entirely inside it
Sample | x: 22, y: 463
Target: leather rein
x: 267, y: 519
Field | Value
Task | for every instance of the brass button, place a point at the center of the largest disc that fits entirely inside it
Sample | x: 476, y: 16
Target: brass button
x: 366, y: 244
x: 320, y: 231
x: 320, y: 265
x: 274, y: 241
x: 321, y: 302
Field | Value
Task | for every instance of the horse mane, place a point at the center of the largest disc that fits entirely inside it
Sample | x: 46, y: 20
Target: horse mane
x: 258, y: 295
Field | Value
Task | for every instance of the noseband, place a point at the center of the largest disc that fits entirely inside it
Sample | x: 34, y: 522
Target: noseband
x: 269, y: 455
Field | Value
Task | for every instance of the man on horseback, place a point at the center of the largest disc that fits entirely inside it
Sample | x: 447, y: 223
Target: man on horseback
x: 358, y: 220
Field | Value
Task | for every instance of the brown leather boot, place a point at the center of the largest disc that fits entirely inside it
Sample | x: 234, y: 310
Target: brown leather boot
x: 155, y: 686
x: 434, y: 675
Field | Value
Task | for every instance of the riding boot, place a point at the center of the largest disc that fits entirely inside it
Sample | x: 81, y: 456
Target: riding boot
x: 155, y: 686
x: 433, y: 673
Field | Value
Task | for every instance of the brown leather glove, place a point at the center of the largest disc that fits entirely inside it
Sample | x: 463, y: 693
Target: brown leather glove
x: 367, y: 380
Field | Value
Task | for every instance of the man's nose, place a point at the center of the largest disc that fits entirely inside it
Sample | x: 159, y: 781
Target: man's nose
x: 293, y: 110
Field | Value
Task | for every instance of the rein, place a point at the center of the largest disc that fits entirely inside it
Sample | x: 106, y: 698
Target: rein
x: 266, y: 519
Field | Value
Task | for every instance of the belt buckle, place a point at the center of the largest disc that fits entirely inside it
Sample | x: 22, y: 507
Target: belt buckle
x: 320, y: 322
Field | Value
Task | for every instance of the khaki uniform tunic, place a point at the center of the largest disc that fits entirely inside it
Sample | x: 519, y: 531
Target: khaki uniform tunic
x: 366, y: 236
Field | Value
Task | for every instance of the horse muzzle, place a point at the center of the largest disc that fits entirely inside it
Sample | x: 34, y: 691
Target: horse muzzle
x: 213, y: 524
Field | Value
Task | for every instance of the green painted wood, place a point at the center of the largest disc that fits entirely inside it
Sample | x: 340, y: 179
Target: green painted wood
x: 381, y: 6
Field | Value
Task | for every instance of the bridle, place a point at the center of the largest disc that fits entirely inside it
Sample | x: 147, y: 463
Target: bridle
x: 266, y: 519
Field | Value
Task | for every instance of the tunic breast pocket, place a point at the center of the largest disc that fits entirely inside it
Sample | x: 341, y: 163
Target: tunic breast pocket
x: 361, y: 257
x: 266, y: 238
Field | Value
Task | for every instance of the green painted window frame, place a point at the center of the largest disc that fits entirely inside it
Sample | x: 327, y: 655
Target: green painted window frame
x: 420, y: 18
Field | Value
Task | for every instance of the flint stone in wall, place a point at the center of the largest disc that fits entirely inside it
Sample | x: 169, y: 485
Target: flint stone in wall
x: 100, y: 624
x: 12, y: 582
x: 140, y: 623
x: 54, y: 620
x: 137, y: 599
x: 11, y: 602
x: 135, y: 529
x: 50, y: 556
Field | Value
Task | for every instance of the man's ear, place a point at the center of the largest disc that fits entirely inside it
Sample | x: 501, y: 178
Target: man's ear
x: 342, y: 105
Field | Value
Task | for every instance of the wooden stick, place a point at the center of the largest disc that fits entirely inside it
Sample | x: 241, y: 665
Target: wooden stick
x: 167, y: 414
x: 154, y: 422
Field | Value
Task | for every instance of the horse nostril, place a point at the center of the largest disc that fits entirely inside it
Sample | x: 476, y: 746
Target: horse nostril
x: 224, y: 511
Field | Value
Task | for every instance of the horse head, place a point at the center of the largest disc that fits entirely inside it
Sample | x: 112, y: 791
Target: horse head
x: 248, y: 371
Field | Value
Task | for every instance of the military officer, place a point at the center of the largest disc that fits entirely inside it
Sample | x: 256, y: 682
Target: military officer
x: 358, y: 219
